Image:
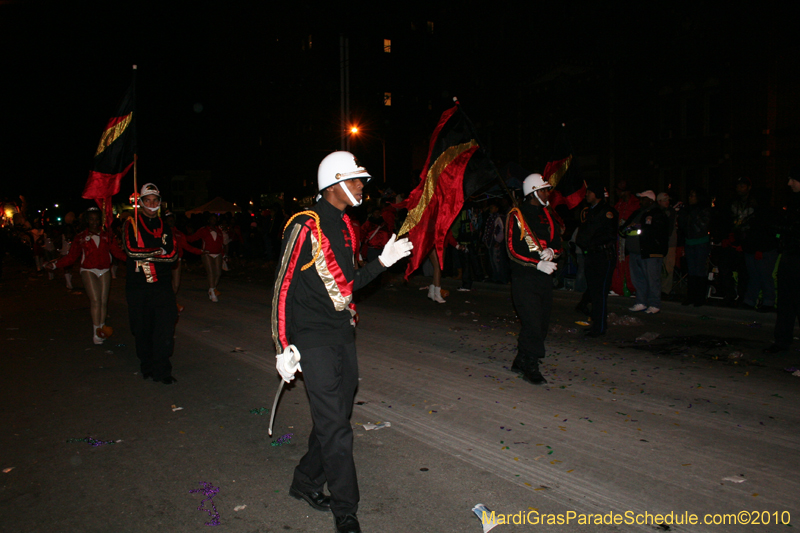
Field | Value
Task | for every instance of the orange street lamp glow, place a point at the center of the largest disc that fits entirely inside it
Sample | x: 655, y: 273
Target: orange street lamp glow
x: 354, y: 129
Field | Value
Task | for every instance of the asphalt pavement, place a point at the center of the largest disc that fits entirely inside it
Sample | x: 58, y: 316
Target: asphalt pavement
x: 697, y: 421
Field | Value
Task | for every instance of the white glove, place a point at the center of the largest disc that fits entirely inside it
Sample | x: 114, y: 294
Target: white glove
x: 547, y: 254
x: 395, y: 250
x: 288, y: 363
x: 548, y: 267
x: 50, y: 265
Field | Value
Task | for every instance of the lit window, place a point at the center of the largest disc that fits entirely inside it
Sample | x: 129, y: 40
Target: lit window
x: 387, y: 46
x: 387, y: 99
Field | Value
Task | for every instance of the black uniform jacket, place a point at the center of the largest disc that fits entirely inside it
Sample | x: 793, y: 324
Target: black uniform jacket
x: 598, y: 229
x: 151, y: 249
x: 521, y: 245
x: 312, y: 305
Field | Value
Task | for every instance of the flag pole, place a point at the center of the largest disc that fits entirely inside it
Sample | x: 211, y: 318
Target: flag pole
x: 515, y: 206
x: 496, y: 172
x: 135, y: 197
x: 135, y: 173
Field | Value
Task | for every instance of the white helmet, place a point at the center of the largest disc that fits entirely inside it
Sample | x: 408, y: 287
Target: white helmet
x: 149, y: 189
x: 534, y: 182
x: 339, y: 167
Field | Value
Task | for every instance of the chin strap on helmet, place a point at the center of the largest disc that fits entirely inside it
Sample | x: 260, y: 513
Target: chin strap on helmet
x: 349, y: 195
x: 545, y: 204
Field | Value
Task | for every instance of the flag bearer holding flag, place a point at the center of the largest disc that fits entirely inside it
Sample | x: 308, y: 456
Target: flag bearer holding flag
x: 313, y: 313
x: 152, y: 310
x: 533, y: 243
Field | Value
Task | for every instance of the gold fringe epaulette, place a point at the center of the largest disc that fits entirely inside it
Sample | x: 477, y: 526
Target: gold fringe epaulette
x: 315, y: 216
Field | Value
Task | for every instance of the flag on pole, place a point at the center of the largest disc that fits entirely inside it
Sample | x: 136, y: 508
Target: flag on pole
x: 568, y: 187
x: 456, y: 168
x: 114, y: 155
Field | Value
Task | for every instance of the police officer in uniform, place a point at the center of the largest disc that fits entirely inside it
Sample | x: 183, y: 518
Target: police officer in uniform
x: 533, y: 242
x: 597, y: 237
x: 313, y: 313
x: 788, y: 269
x: 152, y: 311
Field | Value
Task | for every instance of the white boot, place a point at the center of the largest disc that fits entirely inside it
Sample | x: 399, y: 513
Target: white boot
x: 431, y: 291
x: 68, y: 277
x: 437, y: 295
x: 95, y: 338
x: 212, y: 295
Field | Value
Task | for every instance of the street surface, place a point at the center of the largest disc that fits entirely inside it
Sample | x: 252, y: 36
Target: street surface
x: 676, y: 425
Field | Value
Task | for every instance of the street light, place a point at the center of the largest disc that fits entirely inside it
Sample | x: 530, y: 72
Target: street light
x: 354, y: 131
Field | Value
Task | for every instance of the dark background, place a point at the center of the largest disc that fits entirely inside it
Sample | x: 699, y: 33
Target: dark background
x: 248, y: 92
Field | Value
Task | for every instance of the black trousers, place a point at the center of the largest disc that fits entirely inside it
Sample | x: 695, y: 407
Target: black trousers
x: 788, y: 299
x: 331, y: 378
x: 599, y: 271
x: 532, y: 294
x: 152, y: 313
x: 470, y: 266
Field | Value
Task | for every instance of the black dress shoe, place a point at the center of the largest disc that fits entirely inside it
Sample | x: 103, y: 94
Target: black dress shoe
x: 516, y: 368
x: 147, y: 375
x: 169, y: 380
x: 347, y: 524
x: 775, y: 348
x: 594, y: 334
x: 534, y: 378
x: 317, y: 500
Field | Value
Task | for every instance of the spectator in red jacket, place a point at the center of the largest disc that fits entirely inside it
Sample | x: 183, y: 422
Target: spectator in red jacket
x: 626, y: 204
x: 94, y: 247
x: 214, y: 247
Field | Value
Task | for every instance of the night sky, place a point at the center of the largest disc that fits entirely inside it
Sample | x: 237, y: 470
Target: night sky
x: 220, y: 87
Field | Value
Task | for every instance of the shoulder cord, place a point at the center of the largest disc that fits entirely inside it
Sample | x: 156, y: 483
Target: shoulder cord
x: 524, y: 229
x: 315, y: 216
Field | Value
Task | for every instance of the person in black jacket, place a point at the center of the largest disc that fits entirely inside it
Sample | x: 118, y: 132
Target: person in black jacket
x: 647, y: 241
x: 597, y: 237
x: 533, y: 243
x: 695, y: 222
x: 760, y: 248
x: 313, y: 312
x: 788, y: 280
x: 735, y: 224
x: 152, y: 310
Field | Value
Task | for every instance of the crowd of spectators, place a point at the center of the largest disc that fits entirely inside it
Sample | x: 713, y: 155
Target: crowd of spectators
x: 705, y: 247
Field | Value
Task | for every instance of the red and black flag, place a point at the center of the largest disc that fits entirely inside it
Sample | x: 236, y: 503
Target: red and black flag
x: 114, y: 156
x: 568, y: 187
x: 456, y: 168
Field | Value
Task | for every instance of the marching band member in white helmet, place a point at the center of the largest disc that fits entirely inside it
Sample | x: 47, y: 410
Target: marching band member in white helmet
x: 313, y: 313
x: 533, y: 241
